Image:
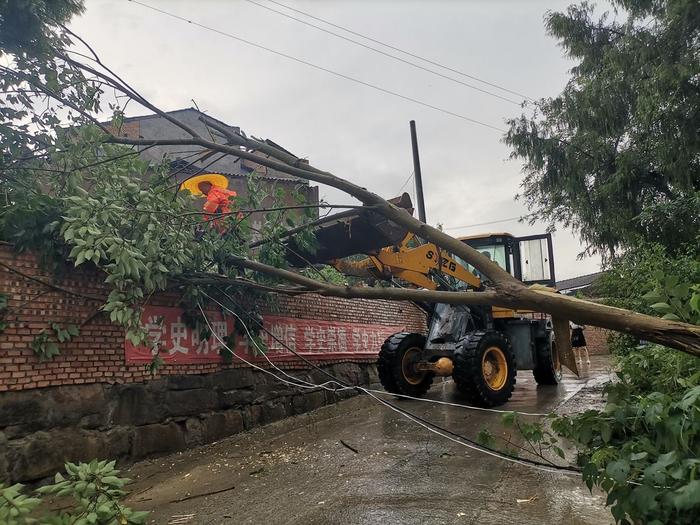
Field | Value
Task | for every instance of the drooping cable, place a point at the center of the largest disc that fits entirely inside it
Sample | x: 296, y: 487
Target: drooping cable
x: 428, y: 425
x: 379, y: 392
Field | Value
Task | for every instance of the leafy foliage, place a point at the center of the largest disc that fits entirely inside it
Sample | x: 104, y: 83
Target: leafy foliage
x: 615, y: 155
x: 642, y: 449
x: 117, y: 212
x: 644, y: 271
x: 28, y: 25
x: 97, y: 491
x: 45, y: 348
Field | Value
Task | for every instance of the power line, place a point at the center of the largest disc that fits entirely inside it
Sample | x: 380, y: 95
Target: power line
x: 428, y: 425
x: 405, y: 183
x: 413, y: 64
x: 389, y: 46
x: 321, y: 68
x: 380, y: 392
x: 483, y: 223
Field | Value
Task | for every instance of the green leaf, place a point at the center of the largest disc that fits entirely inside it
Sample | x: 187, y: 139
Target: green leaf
x: 653, y: 297
x: 638, y: 455
x: 644, y: 498
x: 688, y: 496
x: 680, y: 290
x: 663, y: 308
x: 508, y: 418
x: 618, y: 470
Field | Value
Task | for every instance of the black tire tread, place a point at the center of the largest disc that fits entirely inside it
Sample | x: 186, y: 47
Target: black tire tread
x: 388, y: 366
x: 544, y: 368
x: 467, y: 372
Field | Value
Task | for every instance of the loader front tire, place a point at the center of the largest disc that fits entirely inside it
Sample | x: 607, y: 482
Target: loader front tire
x: 484, y: 368
x: 396, y: 365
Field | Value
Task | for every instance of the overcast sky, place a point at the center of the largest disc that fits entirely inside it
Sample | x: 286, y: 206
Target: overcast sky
x: 349, y: 129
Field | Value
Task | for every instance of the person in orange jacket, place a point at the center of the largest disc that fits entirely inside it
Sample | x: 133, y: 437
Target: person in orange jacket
x: 213, y: 187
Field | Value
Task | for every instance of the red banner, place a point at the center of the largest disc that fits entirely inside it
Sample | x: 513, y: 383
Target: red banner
x: 175, y: 342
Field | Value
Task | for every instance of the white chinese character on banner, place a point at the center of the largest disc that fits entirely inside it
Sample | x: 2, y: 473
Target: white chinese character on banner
x: 202, y: 347
x: 332, y: 338
x: 342, y: 340
x: 219, y: 328
x: 322, y: 338
x: 310, y: 338
x: 178, y: 332
x: 356, y: 343
x: 374, y: 340
x: 282, y: 336
x: 365, y: 341
x: 155, y: 330
x: 290, y: 336
x: 273, y: 338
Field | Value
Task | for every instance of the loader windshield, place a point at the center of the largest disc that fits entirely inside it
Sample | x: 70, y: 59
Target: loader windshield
x: 495, y: 252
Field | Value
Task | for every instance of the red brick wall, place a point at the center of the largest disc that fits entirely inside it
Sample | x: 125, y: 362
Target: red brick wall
x: 129, y: 128
x: 596, y: 339
x: 97, y: 354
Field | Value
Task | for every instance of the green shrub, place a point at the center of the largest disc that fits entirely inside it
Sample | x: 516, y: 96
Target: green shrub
x: 96, y: 489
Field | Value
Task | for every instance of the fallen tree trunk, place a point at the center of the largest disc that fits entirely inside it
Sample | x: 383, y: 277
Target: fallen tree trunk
x: 674, y: 334
x: 506, y: 291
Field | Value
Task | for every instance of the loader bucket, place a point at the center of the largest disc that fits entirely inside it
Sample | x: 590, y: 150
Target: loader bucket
x: 352, y: 232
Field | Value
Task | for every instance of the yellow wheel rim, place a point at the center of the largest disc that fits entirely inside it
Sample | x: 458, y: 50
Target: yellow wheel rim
x: 408, y: 366
x: 494, y: 368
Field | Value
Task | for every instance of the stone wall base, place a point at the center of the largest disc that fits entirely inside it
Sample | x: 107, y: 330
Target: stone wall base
x: 41, y: 429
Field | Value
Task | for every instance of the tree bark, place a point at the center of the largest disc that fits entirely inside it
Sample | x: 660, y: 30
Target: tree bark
x: 674, y: 334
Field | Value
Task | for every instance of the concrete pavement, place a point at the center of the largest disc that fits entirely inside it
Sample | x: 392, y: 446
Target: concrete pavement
x: 304, y: 470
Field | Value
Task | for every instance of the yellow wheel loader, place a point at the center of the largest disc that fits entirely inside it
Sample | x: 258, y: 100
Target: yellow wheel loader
x: 482, y: 348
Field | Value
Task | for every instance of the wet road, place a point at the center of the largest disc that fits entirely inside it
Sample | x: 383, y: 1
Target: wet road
x: 298, y: 471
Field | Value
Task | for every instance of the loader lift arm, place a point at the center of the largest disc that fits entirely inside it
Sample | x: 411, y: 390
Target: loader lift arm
x: 411, y: 264
x: 480, y: 347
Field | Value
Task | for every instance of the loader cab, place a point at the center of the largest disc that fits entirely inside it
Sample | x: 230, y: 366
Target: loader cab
x: 529, y: 259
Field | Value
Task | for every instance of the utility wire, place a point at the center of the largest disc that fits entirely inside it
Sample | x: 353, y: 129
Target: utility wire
x: 394, y: 57
x: 483, y: 223
x: 405, y: 183
x: 432, y: 427
x: 389, y: 46
x: 321, y: 68
x: 380, y: 392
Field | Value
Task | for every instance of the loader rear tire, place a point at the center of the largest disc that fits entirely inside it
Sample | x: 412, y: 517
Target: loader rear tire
x: 548, y: 369
x: 395, y: 365
x: 484, y: 368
